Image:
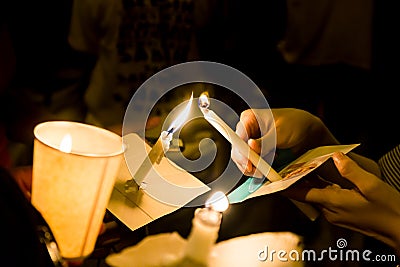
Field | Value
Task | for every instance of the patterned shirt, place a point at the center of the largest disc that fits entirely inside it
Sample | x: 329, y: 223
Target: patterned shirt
x: 390, y: 167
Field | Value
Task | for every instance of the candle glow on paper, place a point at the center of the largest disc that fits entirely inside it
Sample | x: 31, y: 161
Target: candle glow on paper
x: 157, y: 151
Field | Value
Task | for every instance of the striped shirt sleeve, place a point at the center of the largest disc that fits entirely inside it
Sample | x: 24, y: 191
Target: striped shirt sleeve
x: 390, y: 167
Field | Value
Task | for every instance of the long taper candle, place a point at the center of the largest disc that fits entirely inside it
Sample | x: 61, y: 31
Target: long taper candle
x: 154, y: 157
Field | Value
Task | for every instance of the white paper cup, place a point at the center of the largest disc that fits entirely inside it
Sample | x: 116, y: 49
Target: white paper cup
x: 72, y: 182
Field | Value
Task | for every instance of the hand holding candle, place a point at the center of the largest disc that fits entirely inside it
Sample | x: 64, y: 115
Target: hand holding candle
x: 246, y: 151
x: 235, y: 140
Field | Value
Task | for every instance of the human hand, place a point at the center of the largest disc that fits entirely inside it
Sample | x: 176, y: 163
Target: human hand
x: 255, y: 126
x: 371, y: 207
x: 23, y: 177
x: 284, y: 128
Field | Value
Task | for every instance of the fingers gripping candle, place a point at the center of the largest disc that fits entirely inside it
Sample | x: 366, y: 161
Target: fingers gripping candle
x: 235, y: 140
x: 245, y: 150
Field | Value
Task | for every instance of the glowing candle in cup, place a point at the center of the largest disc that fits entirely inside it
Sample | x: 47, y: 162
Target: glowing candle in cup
x: 205, y: 228
x: 74, y: 171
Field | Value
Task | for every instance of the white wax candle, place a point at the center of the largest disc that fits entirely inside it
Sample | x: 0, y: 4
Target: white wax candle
x: 240, y: 145
x: 203, y: 235
x: 155, y: 155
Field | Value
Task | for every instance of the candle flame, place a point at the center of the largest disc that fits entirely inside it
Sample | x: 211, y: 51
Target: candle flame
x: 66, y: 144
x: 218, y: 202
x: 204, y: 101
x: 180, y: 120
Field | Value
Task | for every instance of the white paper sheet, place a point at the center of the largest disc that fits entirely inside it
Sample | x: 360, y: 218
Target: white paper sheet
x: 169, y: 188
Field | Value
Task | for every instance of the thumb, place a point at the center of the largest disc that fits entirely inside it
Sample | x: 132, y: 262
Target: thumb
x: 255, y: 144
x: 350, y: 170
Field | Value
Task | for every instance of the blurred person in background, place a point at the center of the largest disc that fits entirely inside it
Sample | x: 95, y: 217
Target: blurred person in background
x: 59, y: 50
x: 334, y: 52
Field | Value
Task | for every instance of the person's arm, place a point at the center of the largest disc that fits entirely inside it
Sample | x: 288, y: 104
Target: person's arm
x: 371, y: 207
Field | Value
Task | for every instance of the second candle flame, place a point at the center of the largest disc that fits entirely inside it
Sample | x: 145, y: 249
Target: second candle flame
x: 180, y: 120
x: 218, y: 202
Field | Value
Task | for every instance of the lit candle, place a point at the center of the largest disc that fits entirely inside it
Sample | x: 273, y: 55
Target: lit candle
x: 73, y: 174
x: 245, y: 150
x: 205, y: 228
x: 157, y: 151
x: 155, y: 155
x: 235, y: 140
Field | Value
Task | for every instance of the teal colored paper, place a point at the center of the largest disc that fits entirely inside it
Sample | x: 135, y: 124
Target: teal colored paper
x: 285, y: 156
x: 240, y: 193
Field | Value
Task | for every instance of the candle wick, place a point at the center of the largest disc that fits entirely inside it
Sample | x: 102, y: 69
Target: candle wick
x: 170, y: 131
x: 203, y: 101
